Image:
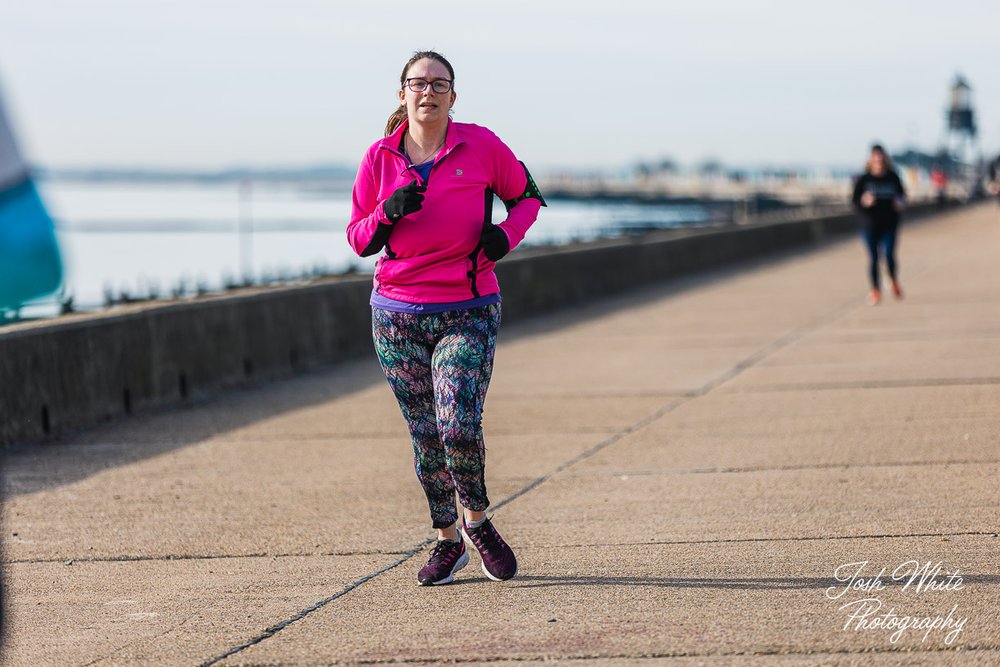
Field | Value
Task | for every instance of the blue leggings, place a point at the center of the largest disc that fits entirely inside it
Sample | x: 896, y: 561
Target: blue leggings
x: 877, y: 236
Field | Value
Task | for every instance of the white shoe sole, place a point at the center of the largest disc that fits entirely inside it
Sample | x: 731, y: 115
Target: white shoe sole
x: 487, y: 573
x: 471, y: 546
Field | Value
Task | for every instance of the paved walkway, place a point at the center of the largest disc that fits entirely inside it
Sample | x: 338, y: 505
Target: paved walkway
x: 682, y: 472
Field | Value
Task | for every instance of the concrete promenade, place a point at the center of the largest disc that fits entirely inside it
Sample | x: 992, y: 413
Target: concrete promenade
x: 682, y: 471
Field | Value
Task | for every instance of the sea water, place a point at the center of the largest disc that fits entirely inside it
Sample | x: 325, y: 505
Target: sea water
x: 136, y: 239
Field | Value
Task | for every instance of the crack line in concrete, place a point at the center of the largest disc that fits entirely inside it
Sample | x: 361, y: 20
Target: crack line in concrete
x: 147, y: 640
x: 570, y: 395
x: 805, y: 466
x: 868, y: 384
x: 336, y: 554
x: 278, y: 627
x: 179, y: 557
x: 805, y: 538
x: 657, y: 655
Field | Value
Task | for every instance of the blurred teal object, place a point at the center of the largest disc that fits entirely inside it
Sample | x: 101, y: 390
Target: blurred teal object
x: 30, y: 266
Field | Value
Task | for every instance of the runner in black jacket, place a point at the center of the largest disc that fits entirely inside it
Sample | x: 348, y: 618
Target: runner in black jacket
x: 994, y: 178
x: 879, y: 196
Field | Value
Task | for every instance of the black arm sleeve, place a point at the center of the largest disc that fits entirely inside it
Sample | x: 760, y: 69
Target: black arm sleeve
x: 531, y: 191
x: 859, y: 187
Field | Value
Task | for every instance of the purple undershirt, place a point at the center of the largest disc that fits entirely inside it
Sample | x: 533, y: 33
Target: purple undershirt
x: 385, y: 303
x: 424, y: 169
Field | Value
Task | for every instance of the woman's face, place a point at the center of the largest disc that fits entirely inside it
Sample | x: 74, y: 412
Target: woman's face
x: 427, y: 106
x: 877, y: 162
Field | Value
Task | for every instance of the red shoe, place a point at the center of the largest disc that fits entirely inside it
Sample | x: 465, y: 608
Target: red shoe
x: 874, y: 297
x: 897, y: 290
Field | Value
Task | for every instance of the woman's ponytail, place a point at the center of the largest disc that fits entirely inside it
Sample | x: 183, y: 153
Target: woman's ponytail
x: 395, y: 120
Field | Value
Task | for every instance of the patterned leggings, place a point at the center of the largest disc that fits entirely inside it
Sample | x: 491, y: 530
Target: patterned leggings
x: 439, y: 368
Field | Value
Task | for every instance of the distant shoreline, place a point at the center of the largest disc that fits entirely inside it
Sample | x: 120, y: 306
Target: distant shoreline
x: 326, y: 173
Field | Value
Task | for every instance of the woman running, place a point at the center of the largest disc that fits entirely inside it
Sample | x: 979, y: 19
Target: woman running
x: 424, y: 195
x: 879, y: 196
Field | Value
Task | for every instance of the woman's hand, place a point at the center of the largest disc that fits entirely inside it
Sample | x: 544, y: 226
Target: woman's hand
x: 494, y: 242
x: 867, y: 199
x: 404, y: 201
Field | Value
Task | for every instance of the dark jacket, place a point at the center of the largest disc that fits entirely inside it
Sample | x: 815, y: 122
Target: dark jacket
x: 887, y: 189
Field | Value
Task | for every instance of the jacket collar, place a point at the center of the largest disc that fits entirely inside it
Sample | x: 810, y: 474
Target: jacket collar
x: 392, y: 142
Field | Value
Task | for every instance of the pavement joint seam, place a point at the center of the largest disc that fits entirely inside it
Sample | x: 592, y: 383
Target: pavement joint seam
x: 753, y: 359
x: 336, y: 554
x: 853, y: 337
x: 800, y: 538
x: 328, y: 437
x: 278, y: 627
x: 874, y: 384
x: 793, y: 468
x: 656, y: 655
x: 146, y: 640
x: 680, y: 393
x: 180, y: 557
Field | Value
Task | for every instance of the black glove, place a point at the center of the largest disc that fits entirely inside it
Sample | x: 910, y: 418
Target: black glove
x: 404, y: 201
x: 494, y: 242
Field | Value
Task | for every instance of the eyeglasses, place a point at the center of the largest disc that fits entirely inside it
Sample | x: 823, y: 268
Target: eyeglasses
x: 439, y: 86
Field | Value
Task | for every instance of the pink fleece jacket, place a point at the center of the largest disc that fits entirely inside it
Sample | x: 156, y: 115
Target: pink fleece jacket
x: 431, y: 255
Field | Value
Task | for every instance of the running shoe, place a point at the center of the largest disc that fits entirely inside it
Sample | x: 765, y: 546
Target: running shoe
x: 446, y: 559
x: 897, y: 290
x: 874, y: 297
x: 499, y: 562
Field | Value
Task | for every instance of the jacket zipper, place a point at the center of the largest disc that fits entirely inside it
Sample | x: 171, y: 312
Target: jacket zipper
x: 487, y: 216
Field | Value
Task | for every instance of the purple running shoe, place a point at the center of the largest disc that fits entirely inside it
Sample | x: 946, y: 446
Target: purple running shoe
x: 499, y: 562
x: 446, y: 559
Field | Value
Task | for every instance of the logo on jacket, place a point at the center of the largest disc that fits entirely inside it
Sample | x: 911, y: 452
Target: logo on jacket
x: 458, y: 172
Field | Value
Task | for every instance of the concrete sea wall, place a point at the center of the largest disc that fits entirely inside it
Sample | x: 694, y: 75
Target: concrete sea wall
x: 79, y: 370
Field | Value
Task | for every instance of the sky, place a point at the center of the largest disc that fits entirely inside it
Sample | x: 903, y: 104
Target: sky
x: 567, y: 84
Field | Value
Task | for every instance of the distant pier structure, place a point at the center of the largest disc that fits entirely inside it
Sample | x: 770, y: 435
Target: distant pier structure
x: 961, y: 137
